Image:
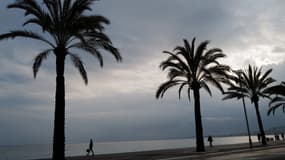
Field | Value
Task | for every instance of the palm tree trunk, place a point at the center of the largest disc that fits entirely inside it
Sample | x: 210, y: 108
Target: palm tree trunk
x: 200, y: 147
x: 247, y: 125
x: 262, y: 133
x: 59, y: 115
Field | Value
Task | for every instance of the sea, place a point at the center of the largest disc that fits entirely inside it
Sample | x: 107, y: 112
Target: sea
x: 28, y: 152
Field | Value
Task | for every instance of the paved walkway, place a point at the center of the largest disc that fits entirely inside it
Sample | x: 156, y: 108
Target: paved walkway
x: 270, y: 152
x: 222, y: 152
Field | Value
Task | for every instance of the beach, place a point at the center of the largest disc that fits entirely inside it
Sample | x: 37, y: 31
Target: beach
x: 230, y: 151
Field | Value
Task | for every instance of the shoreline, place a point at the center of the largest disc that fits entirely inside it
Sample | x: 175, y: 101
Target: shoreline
x: 178, y: 152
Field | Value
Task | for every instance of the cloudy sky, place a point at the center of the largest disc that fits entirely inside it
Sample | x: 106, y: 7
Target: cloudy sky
x: 119, y: 102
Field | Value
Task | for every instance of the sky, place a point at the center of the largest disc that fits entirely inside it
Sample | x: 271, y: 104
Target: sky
x: 119, y: 102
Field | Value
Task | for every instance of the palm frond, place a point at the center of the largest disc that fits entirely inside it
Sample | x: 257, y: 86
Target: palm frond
x: 174, y: 57
x: 214, y: 53
x: 165, y: 86
x: 79, y: 7
x: 273, y: 108
x: 276, y: 100
x: 108, y: 47
x: 79, y: 65
x: 90, y: 49
x: 189, y: 93
x: 215, y: 82
x: 180, y: 89
x: 277, y: 89
x: 40, y: 16
x: 95, y: 42
x: 265, y: 75
x: 199, y: 52
x: 174, y: 73
x: 206, y: 87
x: 192, y: 48
x: 92, y: 22
x: 187, y: 48
x: 168, y: 64
x: 29, y: 6
x: 53, y: 9
x: 32, y: 21
x: 266, y: 82
x: 232, y: 94
x: 66, y: 6
x: 39, y: 59
x: 24, y: 34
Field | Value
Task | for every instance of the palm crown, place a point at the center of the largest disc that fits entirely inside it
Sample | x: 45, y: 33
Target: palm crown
x: 250, y: 83
x: 193, y: 68
x: 68, y: 27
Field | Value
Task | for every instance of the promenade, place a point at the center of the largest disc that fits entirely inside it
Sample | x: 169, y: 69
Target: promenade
x: 273, y: 151
x: 270, y: 152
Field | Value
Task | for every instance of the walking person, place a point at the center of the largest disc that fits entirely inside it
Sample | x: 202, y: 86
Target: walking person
x: 90, y: 149
x: 258, y: 137
x: 282, y: 135
x: 277, y: 137
x: 210, y: 140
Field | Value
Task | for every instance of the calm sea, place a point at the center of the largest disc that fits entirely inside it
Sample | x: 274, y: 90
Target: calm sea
x: 27, y: 152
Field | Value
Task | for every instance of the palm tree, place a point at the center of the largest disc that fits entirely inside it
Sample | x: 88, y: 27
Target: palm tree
x: 278, y: 100
x: 66, y: 28
x: 194, y: 69
x: 252, y: 85
x: 235, y: 78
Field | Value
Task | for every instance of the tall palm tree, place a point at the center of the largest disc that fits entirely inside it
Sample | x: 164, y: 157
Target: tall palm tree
x: 253, y: 84
x: 194, y: 69
x: 278, y: 100
x: 235, y: 78
x: 65, y: 27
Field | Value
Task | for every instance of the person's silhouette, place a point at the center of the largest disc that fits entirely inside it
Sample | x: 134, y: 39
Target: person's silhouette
x: 90, y: 149
x: 210, y: 139
x: 258, y: 137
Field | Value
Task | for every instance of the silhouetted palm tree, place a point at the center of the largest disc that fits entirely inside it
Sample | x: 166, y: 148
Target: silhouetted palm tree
x: 65, y: 26
x: 194, y: 69
x: 253, y: 84
x: 235, y: 78
x: 279, y: 99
